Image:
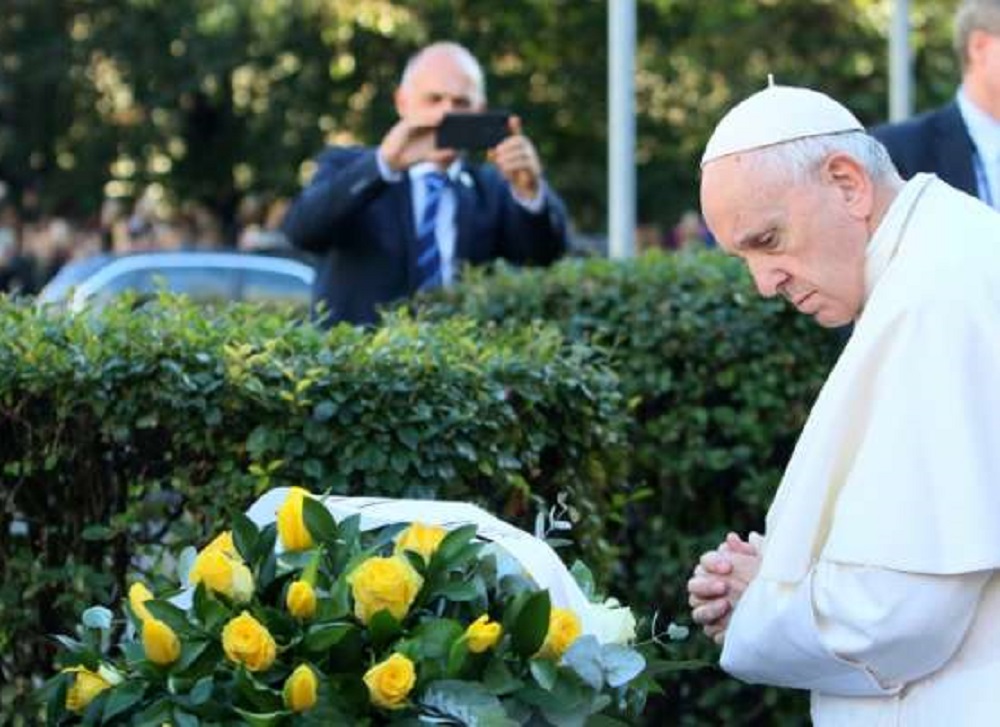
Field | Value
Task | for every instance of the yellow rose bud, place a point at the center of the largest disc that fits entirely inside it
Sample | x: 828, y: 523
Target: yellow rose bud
x: 291, y: 525
x: 222, y: 570
x: 245, y: 640
x: 223, y: 543
x: 301, y: 600
x: 483, y: 634
x: 160, y: 642
x: 300, y: 689
x: 390, y: 682
x: 564, y: 629
x: 384, y: 584
x: 138, y: 594
x: 422, y: 539
x: 84, y: 689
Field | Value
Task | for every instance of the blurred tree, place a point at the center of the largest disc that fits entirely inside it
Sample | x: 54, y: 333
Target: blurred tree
x: 210, y: 99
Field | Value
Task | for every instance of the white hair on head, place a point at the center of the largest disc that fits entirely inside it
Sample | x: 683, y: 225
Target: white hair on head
x: 460, y: 53
x: 801, y: 159
x: 974, y: 15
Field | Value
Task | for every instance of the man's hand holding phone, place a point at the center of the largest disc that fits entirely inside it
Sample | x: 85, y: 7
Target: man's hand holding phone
x: 518, y: 162
x: 412, y: 141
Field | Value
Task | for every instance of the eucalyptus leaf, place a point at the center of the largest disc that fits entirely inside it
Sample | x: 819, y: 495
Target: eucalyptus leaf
x: 97, y: 617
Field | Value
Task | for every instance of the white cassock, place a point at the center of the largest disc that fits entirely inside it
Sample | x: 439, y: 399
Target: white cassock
x: 878, y: 588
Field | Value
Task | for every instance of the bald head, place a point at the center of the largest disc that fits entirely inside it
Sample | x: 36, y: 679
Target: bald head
x: 448, y: 57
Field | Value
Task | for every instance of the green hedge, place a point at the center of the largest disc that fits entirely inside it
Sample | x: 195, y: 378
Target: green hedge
x: 719, y: 382
x: 136, y: 428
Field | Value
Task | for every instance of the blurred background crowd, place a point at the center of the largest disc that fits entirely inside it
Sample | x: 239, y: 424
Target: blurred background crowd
x: 154, y: 124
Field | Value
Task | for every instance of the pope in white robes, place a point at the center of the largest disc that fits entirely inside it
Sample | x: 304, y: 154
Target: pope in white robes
x: 875, y: 586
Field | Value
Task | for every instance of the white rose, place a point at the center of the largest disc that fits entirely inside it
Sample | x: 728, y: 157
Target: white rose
x: 612, y: 623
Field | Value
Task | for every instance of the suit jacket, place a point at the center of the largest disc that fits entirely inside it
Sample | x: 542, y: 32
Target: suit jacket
x: 937, y: 142
x: 364, y: 231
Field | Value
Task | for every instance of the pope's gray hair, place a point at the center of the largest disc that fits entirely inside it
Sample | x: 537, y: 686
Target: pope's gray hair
x: 802, y: 159
x: 460, y: 53
x: 974, y: 15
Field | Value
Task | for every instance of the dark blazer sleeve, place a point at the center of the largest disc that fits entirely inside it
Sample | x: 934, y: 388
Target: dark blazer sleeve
x: 536, y: 238
x: 346, y: 180
x: 936, y: 141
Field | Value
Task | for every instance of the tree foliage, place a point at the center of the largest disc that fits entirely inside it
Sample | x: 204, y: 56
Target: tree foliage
x: 212, y: 99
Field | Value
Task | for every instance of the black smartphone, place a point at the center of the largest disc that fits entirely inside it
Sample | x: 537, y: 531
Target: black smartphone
x: 472, y: 130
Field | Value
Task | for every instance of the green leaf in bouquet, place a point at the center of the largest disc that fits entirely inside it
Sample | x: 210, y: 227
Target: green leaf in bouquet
x: 530, y: 623
x: 434, y: 638
x: 198, y: 658
x: 499, y: 679
x: 201, y: 692
x: 262, y: 719
x: 245, y: 536
x: 451, y: 547
x: 337, y: 604
x: 97, y: 617
x: 545, y: 673
x: 319, y: 522
x: 281, y: 624
x: 620, y: 664
x: 383, y: 628
x: 122, y: 698
x: 268, y: 571
x: 468, y: 703
x: 174, y: 617
x: 458, y: 657
x: 257, y: 696
x: 211, y: 612
x: 321, y: 637
x: 157, y: 713
x: 266, y: 539
x: 185, y: 719
x: 350, y: 529
x: 584, y: 578
x: 53, y: 693
x: 460, y: 591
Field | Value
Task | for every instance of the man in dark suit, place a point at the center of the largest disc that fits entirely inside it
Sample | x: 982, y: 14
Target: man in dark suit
x: 960, y: 142
x: 391, y: 221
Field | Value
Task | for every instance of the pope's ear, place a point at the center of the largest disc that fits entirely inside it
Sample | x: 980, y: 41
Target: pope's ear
x: 852, y: 181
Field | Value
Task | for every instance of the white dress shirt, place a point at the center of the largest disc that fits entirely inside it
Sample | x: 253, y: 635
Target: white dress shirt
x: 985, y: 133
x: 445, y: 231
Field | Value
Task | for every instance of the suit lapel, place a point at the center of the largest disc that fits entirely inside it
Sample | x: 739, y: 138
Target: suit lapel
x: 407, y: 227
x: 955, y: 150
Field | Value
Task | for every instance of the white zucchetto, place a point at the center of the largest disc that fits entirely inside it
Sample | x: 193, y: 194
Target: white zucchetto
x: 776, y: 115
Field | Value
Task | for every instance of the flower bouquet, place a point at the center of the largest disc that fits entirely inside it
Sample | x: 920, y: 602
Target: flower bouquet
x: 326, y: 617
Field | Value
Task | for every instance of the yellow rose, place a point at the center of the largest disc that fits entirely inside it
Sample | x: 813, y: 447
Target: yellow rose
x: 389, y: 584
x: 246, y: 641
x: 138, y: 594
x: 301, y: 600
x: 390, y: 683
x: 300, y: 689
x: 422, y: 539
x: 85, y: 687
x: 291, y: 525
x: 564, y: 629
x: 483, y: 634
x: 223, y: 543
x: 222, y: 570
x: 160, y: 642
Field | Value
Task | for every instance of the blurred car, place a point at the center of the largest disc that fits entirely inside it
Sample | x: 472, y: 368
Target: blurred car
x: 205, y: 277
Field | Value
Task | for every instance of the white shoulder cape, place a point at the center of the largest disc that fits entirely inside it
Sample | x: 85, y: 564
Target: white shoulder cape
x: 898, y: 465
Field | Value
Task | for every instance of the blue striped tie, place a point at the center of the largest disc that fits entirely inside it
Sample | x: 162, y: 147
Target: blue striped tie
x: 428, y: 254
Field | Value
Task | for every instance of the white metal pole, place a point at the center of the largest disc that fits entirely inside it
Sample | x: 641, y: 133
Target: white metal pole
x: 900, y: 75
x: 621, y: 128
